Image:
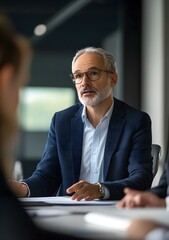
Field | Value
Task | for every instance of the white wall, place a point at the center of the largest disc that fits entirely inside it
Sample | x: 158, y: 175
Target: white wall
x: 153, y: 70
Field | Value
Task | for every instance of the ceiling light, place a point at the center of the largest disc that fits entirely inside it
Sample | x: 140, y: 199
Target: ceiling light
x: 40, y: 30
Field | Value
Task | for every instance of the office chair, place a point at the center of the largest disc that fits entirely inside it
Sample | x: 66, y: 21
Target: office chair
x: 155, y: 153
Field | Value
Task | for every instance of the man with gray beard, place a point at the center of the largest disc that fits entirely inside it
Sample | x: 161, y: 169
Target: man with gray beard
x: 96, y: 147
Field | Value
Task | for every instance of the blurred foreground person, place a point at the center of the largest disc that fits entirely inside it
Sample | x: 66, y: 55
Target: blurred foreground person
x: 15, y: 58
x: 157, y: 197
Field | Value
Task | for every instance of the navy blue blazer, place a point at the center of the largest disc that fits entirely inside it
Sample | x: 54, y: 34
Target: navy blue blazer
x: 127, y: 157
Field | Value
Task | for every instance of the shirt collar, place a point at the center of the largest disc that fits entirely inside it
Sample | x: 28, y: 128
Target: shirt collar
x: 108, y: 114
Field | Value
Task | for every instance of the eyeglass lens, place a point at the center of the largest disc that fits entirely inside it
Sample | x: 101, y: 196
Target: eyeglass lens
x: 92, y: 75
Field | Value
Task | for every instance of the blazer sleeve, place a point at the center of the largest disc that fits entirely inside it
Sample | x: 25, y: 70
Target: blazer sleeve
x: 46, y: 179
x: 161, y: 189
x: 132, y: 158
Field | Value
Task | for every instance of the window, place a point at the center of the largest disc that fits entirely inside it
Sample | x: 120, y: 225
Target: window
x: 38, y: 104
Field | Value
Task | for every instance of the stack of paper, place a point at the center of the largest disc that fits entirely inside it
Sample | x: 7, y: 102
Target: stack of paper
x: 40, y: 201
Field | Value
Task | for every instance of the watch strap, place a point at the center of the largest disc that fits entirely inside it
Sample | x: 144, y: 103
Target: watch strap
x: 101, y: 190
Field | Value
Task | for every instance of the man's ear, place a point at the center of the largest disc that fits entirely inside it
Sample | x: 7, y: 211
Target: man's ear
x: 6, y: 74
x: 114, y: 79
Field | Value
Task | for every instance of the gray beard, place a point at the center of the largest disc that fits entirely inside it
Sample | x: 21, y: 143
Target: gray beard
x: 99, y: 97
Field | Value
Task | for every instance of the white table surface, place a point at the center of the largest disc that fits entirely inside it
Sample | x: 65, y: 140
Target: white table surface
x: 73, y: 222
x: 71, y: 219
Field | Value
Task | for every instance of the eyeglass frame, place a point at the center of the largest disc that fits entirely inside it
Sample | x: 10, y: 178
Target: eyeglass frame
x: 86, y: 73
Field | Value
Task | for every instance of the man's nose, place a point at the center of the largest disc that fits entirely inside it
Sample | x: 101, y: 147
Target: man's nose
x: 85, y: 79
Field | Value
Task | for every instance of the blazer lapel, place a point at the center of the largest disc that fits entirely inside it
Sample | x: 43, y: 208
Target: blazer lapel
x: 116, y: 126
x: 76, y: 141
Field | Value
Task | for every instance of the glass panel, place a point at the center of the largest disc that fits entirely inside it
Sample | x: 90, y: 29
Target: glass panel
x: 38, y: 104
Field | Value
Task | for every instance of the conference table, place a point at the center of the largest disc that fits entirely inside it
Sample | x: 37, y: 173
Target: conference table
x: 92, y: 220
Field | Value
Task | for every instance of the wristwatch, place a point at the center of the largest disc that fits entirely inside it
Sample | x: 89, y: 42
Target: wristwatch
x: 101, y: 190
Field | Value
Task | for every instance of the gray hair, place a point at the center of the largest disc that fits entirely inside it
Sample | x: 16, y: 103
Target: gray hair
x: 109, y: 60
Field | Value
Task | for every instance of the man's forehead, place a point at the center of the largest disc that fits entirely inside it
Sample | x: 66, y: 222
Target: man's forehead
x: 88, y: 60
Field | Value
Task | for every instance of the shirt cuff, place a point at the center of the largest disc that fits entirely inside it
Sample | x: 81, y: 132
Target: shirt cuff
x: 159, y: 233
x: 107, y: 193
x: 28, y: 192
x: 167, y: 203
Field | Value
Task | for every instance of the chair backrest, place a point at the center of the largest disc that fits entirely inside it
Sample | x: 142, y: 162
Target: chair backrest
x: 155, y: 153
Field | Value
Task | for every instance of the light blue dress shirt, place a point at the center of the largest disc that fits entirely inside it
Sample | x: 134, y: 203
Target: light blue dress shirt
x: 94, y: 140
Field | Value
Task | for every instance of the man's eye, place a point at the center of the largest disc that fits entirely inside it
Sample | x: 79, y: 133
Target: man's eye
x: 93, y: 73
x: 79, y: 75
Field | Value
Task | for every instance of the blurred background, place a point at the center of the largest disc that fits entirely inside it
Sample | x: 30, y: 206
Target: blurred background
x: 135, y: 32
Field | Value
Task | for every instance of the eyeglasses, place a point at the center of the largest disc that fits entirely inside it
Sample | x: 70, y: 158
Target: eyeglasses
x: 92, y: 75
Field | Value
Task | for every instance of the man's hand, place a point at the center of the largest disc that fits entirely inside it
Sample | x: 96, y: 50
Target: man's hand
x: 135, y: 198
x: 84, y: 190
x: 19, y: 189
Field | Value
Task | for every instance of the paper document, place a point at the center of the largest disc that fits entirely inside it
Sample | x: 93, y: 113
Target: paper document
x: 40, y: 201
x: 119, y: 219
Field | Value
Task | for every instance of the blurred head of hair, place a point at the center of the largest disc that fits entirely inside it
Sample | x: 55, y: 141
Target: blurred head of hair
x: 15, y: 59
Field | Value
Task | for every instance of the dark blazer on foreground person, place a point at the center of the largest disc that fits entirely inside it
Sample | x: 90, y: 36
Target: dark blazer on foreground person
x: 161, y: 188
x: 127, y: 158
